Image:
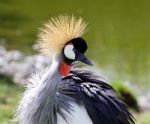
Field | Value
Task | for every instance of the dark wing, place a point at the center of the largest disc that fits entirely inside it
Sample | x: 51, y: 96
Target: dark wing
x: 99, y: 99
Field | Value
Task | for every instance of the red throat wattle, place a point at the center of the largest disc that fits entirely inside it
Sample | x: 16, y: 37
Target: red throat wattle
x: 64, y: 69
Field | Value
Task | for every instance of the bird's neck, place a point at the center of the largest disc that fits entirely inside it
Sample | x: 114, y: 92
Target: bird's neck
x: 59, y: 66
x: 47, y: 95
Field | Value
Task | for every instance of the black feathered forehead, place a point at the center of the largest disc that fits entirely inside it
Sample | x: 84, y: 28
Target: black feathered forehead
x: 79, y: 44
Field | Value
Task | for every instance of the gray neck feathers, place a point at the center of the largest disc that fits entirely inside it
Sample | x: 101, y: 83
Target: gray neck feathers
x: 39, y: 103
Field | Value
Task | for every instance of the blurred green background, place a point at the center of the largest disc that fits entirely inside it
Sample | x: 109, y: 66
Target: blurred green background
x: 118, y: 34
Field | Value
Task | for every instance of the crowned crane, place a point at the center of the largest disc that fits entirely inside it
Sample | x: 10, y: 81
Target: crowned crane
x: 63, y: 94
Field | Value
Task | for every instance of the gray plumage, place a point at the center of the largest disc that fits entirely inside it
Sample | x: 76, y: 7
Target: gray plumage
x: 42, y: 98
x: 48, y: 95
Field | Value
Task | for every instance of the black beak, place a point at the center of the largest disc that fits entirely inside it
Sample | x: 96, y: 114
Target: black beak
x: 81, y: 57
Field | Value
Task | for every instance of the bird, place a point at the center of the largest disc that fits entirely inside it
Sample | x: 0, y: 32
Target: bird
x: 63, y: 92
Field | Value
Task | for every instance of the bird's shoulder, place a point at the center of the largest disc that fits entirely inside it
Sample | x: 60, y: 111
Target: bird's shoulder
x: 98, y: 97
x: 88, y: 83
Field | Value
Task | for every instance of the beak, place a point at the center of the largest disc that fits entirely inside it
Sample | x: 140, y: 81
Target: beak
x: 81, y: 57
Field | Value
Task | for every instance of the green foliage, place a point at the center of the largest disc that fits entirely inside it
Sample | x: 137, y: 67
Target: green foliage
x: 126, y: 94
x: 6, y: 80
x: 9, y: 96
x: 145, y: 118
x: 142, y: 118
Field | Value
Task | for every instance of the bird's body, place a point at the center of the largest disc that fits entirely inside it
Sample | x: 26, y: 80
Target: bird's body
x: 63, y: 94
x: 79, y: 115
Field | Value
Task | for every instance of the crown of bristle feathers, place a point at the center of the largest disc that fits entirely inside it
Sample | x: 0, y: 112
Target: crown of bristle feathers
x: 58, y: 31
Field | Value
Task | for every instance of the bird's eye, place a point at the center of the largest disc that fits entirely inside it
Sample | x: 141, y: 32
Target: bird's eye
x: 68, y: 52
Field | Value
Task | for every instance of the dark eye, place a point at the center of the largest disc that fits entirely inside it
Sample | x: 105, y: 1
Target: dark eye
x: 79, y: 44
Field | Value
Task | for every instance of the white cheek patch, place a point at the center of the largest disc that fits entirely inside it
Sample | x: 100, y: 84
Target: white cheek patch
x: 68, y: 52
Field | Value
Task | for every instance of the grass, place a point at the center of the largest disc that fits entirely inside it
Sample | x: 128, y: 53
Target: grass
x: 142, y: 118
x: 9, y: 96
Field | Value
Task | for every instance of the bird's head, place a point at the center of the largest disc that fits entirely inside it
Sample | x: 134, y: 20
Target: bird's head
x: 61, y: 37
